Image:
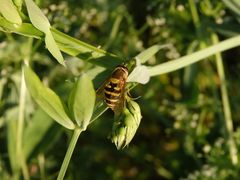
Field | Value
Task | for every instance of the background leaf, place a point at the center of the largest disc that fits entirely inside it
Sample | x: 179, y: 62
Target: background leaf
x: 47, y: 99
x: 234, y: 5
x: 12, y: 136
x: 31, y: 138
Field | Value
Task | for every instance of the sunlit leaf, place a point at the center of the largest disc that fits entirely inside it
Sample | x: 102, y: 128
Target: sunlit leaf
x: 140, y: 74
x: 47, y: 99
x: 9, y: 11
x: 38, y: 19
x: 18, y: 3
x: 82, y: 100
x: 194, y: 57
x: 149, y: 52
x: 25, y: 29
x: 53, y: 48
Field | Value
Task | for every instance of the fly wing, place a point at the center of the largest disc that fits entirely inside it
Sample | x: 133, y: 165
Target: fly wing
x: 100, y: 90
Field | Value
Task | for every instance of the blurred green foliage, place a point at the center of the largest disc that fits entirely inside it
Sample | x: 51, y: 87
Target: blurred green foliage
x: 182, y: 134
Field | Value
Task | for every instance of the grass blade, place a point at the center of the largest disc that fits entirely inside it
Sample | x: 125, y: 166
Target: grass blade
x: 194, y: 57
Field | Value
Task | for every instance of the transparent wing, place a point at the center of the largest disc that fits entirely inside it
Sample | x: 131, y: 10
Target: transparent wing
x: 119, y: 107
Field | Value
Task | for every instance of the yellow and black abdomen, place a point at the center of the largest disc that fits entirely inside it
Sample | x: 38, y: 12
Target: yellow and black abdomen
x: 112, y: 92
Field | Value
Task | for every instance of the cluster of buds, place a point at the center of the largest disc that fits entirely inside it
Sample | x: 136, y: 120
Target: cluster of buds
x: 126, y: 124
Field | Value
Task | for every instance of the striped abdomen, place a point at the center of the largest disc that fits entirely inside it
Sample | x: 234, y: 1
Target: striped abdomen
x: 115, y: 87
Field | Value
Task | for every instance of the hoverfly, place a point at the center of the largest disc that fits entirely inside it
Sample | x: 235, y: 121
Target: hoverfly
x: 113, y: 90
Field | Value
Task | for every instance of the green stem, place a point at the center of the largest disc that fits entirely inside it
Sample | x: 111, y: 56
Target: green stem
x: 41, y: 162
x: 69, y: 153
x: 114, y: 31
x: 20, y: 126
x: 226, y: 104
x: 22, y: 100
x: 194, y: 57
x: 197, y: 23
x: 195, y: 17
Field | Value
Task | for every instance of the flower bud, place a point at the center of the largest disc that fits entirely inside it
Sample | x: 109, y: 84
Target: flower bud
x: 126, y: 124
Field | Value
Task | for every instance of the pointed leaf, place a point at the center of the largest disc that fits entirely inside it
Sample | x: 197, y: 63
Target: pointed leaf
x: 24, y: 29
x: 47, y: 99
x: 82, y: 100
x: 140, y: 75
x: 9, y: 12
x: 149, y: 52
x: 38, y: 19
x: 53, y: 48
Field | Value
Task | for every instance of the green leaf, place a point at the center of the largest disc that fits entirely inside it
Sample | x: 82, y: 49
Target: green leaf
x: 53, y: 48
x: 234, y: 5
x: 67, y: 44
x: 194, y: 57
x: 80, y: 49
x: 149, y: 52
x: 38, y: 19
x: 18, y: 3
x: 47, y: 99
x: 31, y: 138
x: 140, y: 74
x: 82, y: 100
x: 9, y: 11
x: 24, y: 29
x: 11, y: 117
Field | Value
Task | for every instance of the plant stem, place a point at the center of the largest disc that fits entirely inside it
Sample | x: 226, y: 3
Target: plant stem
x: 20, y: 126
x: 22, y: 100
x: 226, y: 104
x: 69, y: 153
x: 194, y: 57
x: 195, y: 17
x: 197, y: 23
x: 41, y: 162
